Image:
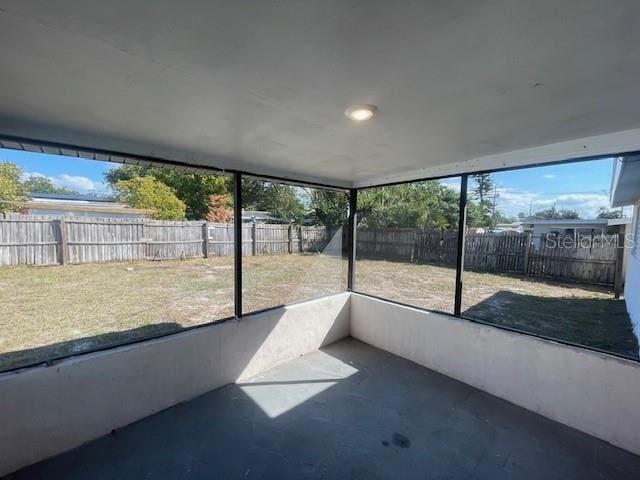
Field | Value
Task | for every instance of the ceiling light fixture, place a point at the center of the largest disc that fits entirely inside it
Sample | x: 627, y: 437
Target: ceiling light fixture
x: 361, y: 113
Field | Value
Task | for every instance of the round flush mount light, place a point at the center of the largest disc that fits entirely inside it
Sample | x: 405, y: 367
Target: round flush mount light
x: 361, y: 113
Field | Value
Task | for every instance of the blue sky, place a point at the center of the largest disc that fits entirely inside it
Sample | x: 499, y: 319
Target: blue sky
x: 580, y: 186
x: 74, y: 173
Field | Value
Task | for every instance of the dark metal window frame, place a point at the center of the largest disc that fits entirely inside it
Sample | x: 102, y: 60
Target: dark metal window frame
x: 461, y: 242
x: 56, y: 148
x: 237, y: 205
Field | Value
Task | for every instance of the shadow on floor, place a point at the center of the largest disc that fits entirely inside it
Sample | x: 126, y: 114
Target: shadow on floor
x: 76, y: 346
x: 348, y: 411
x: 601, y: 323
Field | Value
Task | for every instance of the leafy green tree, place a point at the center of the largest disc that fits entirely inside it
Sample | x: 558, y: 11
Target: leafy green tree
x: 11, y: 191
x: 554, y: 214
x: 124, y: 172
x: 283, y: 201
x: 411, y: 205
x: 604, y: 212
x: 476, y: 215
x: 328, y: 207
x: 194, y: 189
x: 40, y: 184
x: 149, y: 193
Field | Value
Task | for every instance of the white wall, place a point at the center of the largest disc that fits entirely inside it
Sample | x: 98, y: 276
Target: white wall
x: 48, y: 410
x: 632, y: 276
x: 592, y: 392
x: 542, y: 229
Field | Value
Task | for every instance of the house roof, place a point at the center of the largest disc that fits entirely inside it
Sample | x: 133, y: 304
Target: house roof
x: 459, y: 86
x: 625, y: 183
x: 570, y: 222
x: 71, y: 197
x: 561, y: 221
x: 87, y: 207
x: 80, y: 203
x: 261, y: 215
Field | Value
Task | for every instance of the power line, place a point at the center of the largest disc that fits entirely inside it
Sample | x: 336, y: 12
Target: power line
x: 567, y: 193
x: 606, y: 192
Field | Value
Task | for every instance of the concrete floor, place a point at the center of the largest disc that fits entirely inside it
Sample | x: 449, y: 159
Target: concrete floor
x: 348, y: 411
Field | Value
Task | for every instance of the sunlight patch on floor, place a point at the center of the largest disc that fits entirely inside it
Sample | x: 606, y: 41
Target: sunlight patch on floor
x: 276, y: 394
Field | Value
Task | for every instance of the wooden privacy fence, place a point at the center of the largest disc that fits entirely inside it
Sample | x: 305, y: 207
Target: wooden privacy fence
x: 40, y: 240
x: 595, y: 259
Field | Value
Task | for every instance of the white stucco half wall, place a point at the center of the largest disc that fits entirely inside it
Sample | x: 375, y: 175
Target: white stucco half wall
x: 48, y: 410
x: 592, y: 392
x: 632, y: 276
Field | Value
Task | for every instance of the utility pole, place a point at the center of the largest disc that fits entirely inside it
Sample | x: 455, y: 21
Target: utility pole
x: 493, y: 209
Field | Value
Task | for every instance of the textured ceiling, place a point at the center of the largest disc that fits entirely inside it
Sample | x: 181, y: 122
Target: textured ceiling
x: 262, y: 86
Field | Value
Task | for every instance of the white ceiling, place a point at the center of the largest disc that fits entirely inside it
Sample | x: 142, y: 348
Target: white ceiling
x: 262, y: 86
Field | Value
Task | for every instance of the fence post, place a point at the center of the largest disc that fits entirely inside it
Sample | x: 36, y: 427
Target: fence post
x: 254, y: 237
x: 205, y: 239
x: 145, y: 245
x: 375, y: 241
x: 413, y: 246
x: 527, y: 247
x: 290, y: 233
x: 617, y: 286
x: 64, y: 246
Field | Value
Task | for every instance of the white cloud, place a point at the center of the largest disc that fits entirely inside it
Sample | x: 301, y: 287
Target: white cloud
x: 512, y: 202
x: 77, y: 183
x: 550, y: 176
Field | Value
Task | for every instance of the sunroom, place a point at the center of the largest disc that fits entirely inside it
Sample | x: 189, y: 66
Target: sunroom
x: 330, y: 239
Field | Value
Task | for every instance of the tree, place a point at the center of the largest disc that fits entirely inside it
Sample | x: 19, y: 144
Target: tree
x: 328, y: 207
x: 40, y: 184
x: 282, y: 201
x: 11, y: 191
x: 477, y: 216
x: 149, y: 193
x: 484, y: 192
x: 220, y: 209
x: 425, y: 204
x: 484, y: 188
x: 554, y: 214
x: 604, y: 212
x: 193, y: 188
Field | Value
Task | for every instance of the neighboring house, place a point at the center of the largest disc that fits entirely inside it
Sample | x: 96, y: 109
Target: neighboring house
x: 61, y: 205
x: 625, y: 190
x: 539, y: 229
x: 257, y: 216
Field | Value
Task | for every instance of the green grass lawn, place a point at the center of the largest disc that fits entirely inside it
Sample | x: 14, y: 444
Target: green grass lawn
x: 46, y: 312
